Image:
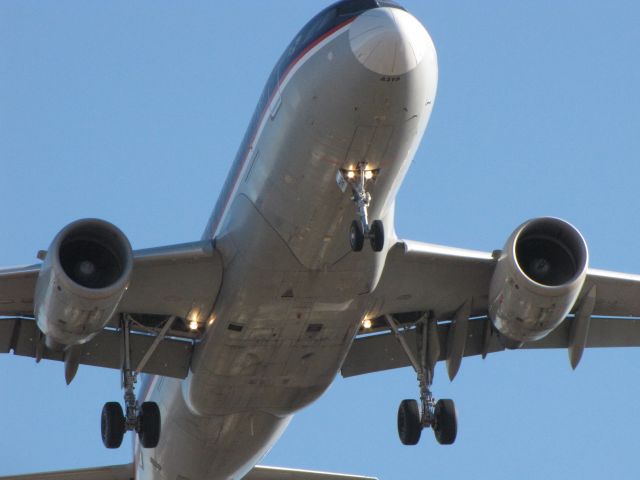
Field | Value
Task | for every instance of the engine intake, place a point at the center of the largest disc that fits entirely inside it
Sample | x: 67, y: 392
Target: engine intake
x: 85, y: 273
x: 538, y: 278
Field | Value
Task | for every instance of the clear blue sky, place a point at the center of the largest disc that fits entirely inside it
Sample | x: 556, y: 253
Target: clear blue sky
x: 132, y: 112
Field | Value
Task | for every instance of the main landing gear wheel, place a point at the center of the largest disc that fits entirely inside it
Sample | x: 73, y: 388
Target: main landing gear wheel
x: 112, y: 425
x: 144, y: 419
x: 149, y: 425
x: 413, y: 417
x: 446, y: 422
x: 376, y: 235
x: 356, y: 236
x: 442, y: 418
x: 409, y: 426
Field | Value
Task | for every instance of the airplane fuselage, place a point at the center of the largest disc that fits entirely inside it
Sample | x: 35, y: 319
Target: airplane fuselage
x: 350, y: 89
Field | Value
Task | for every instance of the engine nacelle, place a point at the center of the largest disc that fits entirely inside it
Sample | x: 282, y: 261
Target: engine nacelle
x: 537, y: 279
x: 81, y: 282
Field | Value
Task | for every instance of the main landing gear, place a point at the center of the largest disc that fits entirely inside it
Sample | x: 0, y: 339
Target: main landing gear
x: 144, y: 419
x: 361, y: 229
x: 439, y: 415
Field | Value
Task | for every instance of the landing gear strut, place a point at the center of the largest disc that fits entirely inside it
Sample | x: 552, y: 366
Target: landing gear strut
x: 144, y: 419
x: 361, y: 228
x: 439, y: 415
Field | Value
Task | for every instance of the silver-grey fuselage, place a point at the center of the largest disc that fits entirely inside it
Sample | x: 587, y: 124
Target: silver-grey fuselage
x: 293, y: 293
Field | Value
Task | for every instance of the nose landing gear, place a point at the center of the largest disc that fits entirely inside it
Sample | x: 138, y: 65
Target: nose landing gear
x: 439, y: 415
x: 361, y: 228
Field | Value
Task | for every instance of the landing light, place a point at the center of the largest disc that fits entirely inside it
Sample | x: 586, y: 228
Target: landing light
x: 368, y: 174
x: 351, y: 174
x: 366, y: 324
x: 193, y: 325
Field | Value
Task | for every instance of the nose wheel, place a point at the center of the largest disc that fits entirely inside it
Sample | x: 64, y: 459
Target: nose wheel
x: 144, y: 419
x: 356, y: 236
x: 413, y: 417
x: 376, y: 235
x: 361, y: 229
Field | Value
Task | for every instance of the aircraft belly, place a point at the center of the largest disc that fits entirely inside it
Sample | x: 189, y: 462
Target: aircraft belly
x: 205, y: 448
x: 293, y: 293
x: 280, y: 330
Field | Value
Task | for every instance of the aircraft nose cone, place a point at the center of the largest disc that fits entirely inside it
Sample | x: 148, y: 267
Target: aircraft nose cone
x: 389, y: 41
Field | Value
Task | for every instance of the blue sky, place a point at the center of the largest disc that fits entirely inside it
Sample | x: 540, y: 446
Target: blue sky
x: 132, y: 112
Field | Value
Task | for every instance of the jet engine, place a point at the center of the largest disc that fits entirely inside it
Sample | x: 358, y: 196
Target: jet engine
x: 537, y: 279
x: 81, y: 282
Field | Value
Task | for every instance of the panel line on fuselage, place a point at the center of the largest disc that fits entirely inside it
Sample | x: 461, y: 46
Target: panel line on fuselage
x: 247, y: 147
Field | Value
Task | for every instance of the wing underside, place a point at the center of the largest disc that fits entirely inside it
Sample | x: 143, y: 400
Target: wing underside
x: 381, y: 351
x: 421, y: 279
x: 167, y: 285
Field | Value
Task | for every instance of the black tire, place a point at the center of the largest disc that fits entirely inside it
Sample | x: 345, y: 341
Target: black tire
x: 446, y: 422
x: 112, y: 425
x: 377, y: 236
x: 409, y: 426
x: 149, y: 425
x: 356, y: 236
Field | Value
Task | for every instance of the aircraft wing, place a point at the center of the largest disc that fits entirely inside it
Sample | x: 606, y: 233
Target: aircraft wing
x: 420, y: 277
x: 126, y: 472
x: 275, y: 473
x: 167, y: 283
x: 17, y: 286
x: 119, y: 472
x: 167, y: 280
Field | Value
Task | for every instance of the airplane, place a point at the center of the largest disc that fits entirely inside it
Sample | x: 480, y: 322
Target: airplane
x: 364, y: 252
